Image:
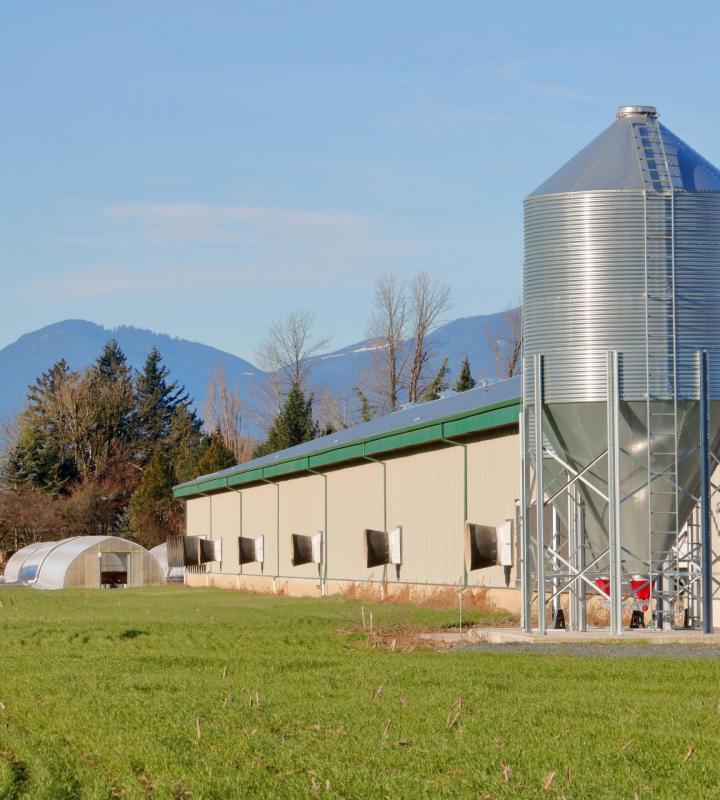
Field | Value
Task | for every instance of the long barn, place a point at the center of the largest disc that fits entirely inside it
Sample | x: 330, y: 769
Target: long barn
x: 425, y: 497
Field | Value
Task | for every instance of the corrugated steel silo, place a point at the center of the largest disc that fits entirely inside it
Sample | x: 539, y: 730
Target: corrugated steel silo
x: 622, y: 255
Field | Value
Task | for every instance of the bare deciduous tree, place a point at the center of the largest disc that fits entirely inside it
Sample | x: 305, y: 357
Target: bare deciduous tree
x: 288, y: 347
x: 333, y: 412
x: 506, y: 343
x: 285, y: 356
x: 73, y: 413
x: 28, y: 515
x: 403, y: 317
x: 387, y: 331
x: 223, y: 412
x: 429, y: 300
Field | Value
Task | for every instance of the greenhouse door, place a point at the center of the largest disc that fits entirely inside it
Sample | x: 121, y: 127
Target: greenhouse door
x: 113, y: 570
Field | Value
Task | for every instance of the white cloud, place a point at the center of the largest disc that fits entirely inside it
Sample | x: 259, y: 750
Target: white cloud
x: 515, y: 74
x: 185, y: 223
x: 190, y: 280
x: 201, y: 250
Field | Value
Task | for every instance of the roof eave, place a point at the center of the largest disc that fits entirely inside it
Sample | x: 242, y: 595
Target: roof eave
x: 496, y: 415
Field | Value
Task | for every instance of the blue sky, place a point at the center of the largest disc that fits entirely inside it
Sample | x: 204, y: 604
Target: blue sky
x: 200, y: 168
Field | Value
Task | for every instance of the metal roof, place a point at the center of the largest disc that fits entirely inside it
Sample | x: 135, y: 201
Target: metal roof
x: 622, y: 157
x: 381, y: 434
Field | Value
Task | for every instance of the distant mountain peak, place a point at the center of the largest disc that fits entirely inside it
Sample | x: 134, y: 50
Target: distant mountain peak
x: 80, y: 341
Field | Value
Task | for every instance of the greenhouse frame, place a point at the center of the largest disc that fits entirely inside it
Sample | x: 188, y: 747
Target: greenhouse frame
x: 84, y: 562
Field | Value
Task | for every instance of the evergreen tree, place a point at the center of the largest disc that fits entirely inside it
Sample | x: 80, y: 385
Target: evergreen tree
x: 465, y: 379
x: 113, y: 400
x: 367, y: 412
x: 153, y: 513
x: 48, y: 385
x: 36, y: 460
x: 216, y: 455
x: 156, y: 400
x: 185, y: 443
x: 438, y: 384
x: 38, y: 456
x: 293, y: 425
x: 111, y: 364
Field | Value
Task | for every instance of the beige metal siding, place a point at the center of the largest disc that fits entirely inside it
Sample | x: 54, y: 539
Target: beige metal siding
x: 302, y: 510
x: 198, y: 516
x: 355, y: 502
x: 493, y: 486
x: 259, y: 518
x: 425, y: 496
x: 226, y: 527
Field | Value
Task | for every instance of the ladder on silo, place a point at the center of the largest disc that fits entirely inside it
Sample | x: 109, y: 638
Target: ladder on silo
x: 660, y: 175
x: 659, y: 166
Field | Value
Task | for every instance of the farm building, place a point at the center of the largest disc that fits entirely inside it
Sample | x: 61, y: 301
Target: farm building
x: 607, y: 455
x: 84, y: 562
x: 385, y: 503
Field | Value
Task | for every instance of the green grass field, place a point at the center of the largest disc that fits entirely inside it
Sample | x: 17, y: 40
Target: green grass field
x: 179, y: 693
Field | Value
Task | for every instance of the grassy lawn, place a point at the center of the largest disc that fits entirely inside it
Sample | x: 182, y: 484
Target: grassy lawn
x: 179, y: 693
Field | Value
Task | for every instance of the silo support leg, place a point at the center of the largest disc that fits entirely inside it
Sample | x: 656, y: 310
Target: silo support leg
x: 526, y: 574
x: 614, y: 533
x: 539, y: 490
x: 705, y: 522
x: 574, y: 604
x: 556, y: 606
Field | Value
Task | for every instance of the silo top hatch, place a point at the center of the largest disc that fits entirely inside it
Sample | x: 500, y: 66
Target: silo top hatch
x: 636, y: 153
x: 636, y: 111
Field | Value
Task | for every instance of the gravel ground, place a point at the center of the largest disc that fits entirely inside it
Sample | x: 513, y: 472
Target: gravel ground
x: 609, y: 650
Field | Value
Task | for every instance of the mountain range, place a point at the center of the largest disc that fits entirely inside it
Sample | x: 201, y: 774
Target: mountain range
x: 192, y: 364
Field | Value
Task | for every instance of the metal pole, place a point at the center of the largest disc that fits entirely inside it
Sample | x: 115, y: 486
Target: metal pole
x: 580, y: 523
x: 614, y: 538
x: 573, y: 541
x: 705, y: 524
x: 539, y: 499
x: 556, y: 565
x: 525, y: 576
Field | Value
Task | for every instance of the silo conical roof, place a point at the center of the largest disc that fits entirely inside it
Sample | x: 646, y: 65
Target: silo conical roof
x: 622, y: 157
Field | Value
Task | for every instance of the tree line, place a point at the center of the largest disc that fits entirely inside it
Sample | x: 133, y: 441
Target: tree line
x: 97, y: 451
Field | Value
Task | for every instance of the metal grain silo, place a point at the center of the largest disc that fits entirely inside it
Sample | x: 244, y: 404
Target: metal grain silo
x: 621, y: 315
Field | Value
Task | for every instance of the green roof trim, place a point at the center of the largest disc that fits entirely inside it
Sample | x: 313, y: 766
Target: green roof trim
x: 346, y: 452
x: 208, y: 485
x: 402, y: 439
x: 493, y: 416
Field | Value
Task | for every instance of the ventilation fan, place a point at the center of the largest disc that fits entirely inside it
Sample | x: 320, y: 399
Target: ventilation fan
x: 191, y: 551
x: 382, y: 547
x: 251, y: 550
x: 488, y: 545
x: 305, y: 549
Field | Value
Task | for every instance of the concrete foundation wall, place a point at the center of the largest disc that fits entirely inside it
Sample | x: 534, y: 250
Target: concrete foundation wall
x: 502, y: 599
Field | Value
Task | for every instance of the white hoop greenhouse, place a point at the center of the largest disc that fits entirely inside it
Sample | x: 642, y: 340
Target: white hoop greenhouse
x: 84, y: 562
